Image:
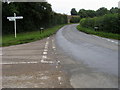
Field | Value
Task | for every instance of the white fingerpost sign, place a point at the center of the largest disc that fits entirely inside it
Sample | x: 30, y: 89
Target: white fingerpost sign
x: 14, y: 19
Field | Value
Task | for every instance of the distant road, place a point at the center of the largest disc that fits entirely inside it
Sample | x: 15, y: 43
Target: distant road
x: 99, y: 54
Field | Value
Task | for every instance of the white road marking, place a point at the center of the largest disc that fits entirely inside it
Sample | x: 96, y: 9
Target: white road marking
x: 47, y: 43
x: 110, y: 40
x: 106, y: 39
x: 59, y: 78
x: 6, y: 63
x: 47, y: 62
x: 42, y: 61
x: 56, y: 66
x: 53, y: 47
x: 32, y: 62
x: 45, y: 53
x: 44, y: 57
x: 48, y: 37
x: 58, y: 61
x: 44, y: 77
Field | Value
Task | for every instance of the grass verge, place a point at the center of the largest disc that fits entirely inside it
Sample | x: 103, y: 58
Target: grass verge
x: 29, y: 36
x: 98, y: 33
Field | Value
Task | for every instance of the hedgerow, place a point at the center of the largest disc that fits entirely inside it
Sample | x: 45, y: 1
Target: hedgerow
x: 106, y: 23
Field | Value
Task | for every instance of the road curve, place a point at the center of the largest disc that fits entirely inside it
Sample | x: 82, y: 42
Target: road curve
x: 99, y: 54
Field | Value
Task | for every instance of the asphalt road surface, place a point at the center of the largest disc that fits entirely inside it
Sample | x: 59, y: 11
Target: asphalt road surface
x: 33, y: 65
x: 69, y: 59
x: 96, y: 57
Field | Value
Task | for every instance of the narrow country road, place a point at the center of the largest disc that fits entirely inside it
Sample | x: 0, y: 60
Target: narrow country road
x: 96, y: 57
x: 69, y: 59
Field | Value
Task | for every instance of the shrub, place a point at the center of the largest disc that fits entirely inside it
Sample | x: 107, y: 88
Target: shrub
x: 106, y: 23
x: 75, y: 20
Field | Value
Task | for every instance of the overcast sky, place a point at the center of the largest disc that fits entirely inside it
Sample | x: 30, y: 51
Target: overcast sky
x: 64, y: 6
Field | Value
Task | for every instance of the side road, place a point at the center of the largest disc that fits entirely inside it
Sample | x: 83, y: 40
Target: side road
x: 33, y: 65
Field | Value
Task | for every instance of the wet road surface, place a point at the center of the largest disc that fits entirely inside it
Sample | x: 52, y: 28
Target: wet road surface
x: 96, y: 58
x: 69, y: 59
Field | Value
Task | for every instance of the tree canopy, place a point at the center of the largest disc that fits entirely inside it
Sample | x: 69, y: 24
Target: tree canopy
x: 36, y: 15
x: 100, y: 12
x: 73, y: 11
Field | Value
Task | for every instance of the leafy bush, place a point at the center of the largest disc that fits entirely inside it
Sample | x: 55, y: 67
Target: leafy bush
x: 75, y: 20
x: 106, y: 23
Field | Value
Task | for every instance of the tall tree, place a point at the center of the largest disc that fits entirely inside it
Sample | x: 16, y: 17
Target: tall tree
x: 86, y: 13
x: 90, y: 13
x: 82, y: 13
x: 73, y: 11
x: 102, y: 11
x: 114, y: 10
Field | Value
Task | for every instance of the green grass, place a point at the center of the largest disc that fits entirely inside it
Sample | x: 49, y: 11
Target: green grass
x: 98, y: 33
x: 29, y: 36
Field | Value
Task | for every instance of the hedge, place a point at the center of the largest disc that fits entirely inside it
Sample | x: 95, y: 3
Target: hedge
x: 35, y: 17
x: 75, y: 20
x: 106, y: 23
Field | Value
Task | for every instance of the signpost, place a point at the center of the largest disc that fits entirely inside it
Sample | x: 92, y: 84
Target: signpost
x: 14, y: 19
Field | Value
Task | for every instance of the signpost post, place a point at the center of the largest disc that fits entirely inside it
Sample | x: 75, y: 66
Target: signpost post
x: 14, y: 19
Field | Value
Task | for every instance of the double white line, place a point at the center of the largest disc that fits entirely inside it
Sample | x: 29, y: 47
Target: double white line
x: 45, y: 52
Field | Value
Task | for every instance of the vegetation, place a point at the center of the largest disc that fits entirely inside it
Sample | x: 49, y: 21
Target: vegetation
x: 29, y: 36
x: 107, y: 23
x: 102, y: 11
x: 36, y: 15
x: 92, y: 13
x: 86, y: 13
x: 114, y: 10
x: 75, y: 20
x: 73, y: 11
x: 99, y: 33
x: 101, y: 22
